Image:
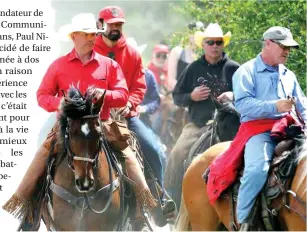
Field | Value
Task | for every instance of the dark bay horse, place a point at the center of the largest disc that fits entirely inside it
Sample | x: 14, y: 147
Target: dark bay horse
x: 224, y: 127
x: 173, y: 119
x: 197, y: 214
x: 85, y: 189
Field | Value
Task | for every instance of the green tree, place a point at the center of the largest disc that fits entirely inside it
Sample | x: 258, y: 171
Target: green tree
x: 248, y: 19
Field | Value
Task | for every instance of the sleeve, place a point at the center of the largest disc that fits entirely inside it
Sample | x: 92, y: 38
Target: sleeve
x: 301, y: 100
x: 117, y: 92
x: 245, y: 98
x: 172, y: 65
x: 138, y: 86
x: 183, y: 88
x: 232, y: 69
x: 48, y: 89
x: 152, y: 88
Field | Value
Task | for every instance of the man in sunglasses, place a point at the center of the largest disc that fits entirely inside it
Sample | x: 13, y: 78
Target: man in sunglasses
x: 158, y: 65
x: 261, y: 88
x: 192, y: 91
x: 113, y: 43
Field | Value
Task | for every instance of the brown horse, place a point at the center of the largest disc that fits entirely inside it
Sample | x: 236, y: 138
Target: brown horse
x: 226, y: 122
x: 85, y: 189
x: 198, y: 214
x: 173, y: 119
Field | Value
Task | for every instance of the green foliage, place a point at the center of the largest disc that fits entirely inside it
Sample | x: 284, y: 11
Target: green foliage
x: 247, y: 21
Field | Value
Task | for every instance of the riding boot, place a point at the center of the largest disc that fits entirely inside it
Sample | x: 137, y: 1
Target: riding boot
x: 20, y: 205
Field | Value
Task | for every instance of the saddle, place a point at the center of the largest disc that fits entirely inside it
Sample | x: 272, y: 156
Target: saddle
x: 275, y: 193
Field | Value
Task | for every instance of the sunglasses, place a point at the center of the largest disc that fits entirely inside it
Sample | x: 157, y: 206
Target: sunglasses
x: 212, y: 42
x: 283, y: 47
x: 161, y: 55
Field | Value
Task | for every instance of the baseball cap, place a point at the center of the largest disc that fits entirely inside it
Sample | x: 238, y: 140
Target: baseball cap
x: 112, y: 14
x: 281, y: 35
x: 161, y: 48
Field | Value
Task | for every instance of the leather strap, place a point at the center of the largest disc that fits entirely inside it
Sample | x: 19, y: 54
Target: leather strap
x: 80, y: 201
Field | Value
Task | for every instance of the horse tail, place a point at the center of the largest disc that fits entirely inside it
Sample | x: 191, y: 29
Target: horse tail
x: 182, y: 222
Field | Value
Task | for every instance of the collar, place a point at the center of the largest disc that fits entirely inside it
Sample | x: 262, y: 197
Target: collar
x: 73, y: 55
x: 221, y: 62
x: 261, y: 66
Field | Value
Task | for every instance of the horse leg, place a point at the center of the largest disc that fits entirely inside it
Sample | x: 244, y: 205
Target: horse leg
x: 182, y: 222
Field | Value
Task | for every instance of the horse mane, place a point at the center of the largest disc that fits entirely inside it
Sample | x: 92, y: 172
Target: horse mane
x: 74, y: 106
x: 300, y: 150
x: 224, y: 109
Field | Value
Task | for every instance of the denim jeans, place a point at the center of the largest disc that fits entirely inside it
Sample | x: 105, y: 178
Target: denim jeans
x: 151, y: 147
x: 257, y: 156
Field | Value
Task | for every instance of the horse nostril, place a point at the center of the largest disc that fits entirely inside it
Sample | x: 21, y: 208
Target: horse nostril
x: 91, y: 182
x: 78, y: 183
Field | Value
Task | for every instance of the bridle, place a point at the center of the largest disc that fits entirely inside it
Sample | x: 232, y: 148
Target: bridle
x: 71, y: 155
x: 83, y: 202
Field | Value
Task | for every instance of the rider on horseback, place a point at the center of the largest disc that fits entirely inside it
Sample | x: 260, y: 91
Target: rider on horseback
x: 192, y: 91
x: 261, y: 87
x: 112, y: 43
x: 82, y: 67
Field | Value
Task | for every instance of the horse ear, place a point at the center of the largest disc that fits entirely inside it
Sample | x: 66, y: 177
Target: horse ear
x: 98, y: 100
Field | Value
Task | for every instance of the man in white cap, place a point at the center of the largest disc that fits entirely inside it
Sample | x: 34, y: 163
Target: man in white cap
x: 263, y: 89
x: 191, y: 90
x: 82, y: 67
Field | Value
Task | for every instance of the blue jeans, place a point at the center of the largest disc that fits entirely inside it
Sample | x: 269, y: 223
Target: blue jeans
x: 151, y: 147
x: 257, y: 156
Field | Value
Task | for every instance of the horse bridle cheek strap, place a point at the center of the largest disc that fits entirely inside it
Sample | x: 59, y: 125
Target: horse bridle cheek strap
x: 71, y: 155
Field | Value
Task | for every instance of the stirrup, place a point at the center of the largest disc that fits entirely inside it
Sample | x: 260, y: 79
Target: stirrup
x: 168, y: 208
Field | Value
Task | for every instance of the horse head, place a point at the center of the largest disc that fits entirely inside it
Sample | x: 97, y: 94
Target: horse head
x: 81, y: 134
x: 227, y: 120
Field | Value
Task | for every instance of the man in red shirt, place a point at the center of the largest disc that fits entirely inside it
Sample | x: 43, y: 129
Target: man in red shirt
x: 82, y: 67
x: 113, y: 44
x: 158, y: 65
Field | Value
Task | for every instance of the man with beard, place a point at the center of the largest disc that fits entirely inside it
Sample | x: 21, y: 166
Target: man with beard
x: 112, y: 43
x: 158, y: 65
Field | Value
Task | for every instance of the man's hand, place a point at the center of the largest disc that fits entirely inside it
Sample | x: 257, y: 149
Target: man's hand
x: 225, y: 97
x: 141, y: 109
x: 124, y: 111
x: 284, y: 105
x: 96, y: 93
x: 200, y: 93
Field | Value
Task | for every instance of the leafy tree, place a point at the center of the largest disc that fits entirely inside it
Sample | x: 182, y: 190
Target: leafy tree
x: 247, y: 20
